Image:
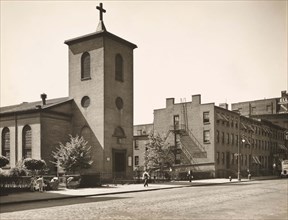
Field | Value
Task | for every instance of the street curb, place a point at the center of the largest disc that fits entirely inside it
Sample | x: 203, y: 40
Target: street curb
x: 131, y: 191
x: 109, y: 193
x: 88, y: 195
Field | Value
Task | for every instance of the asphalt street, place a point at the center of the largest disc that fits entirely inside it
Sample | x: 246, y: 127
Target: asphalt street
x: 247, y: 200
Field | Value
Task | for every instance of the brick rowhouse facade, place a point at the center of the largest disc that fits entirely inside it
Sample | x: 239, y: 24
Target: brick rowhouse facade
x: 210, y: 139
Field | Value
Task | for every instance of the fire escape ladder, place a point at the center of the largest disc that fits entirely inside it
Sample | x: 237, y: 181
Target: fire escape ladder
x: 194, y: 139
x: 185, y: 123
x: 187, y: 154
x: 167, y: 135
x: 185, y: 115
x: 189, y: 142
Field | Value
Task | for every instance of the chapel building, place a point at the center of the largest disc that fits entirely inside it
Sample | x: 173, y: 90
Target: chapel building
x: 99, y: 108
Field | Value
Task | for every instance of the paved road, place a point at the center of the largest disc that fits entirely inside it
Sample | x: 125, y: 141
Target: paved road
x: 250, y: 200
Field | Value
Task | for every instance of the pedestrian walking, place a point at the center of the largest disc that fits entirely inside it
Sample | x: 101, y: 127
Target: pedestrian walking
x: 145, y: 177
x: 249, y: 176
x: 190, y: 176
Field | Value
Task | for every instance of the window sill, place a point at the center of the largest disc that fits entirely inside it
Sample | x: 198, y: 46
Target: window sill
x: 84, y: 79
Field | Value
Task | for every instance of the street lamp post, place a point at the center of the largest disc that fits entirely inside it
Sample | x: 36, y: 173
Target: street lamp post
x: 238, y: 155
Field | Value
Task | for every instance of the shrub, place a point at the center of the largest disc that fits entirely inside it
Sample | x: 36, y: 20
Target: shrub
x: 3, y: 161
x: 33, y: 164
x: 3, y: 173
x: 18, y: 171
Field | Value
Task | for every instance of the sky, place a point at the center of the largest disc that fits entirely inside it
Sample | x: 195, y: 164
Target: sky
x: 227, y: 51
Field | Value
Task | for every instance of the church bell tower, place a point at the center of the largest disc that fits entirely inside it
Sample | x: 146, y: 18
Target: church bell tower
x: 101, y: 84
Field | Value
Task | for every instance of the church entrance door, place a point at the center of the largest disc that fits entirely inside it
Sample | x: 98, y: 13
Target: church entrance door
x: 119, y: 163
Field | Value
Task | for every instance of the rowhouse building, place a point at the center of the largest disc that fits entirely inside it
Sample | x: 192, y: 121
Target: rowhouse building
x: 210, y: 140
x: 273, y: 109
x: 141, y: 133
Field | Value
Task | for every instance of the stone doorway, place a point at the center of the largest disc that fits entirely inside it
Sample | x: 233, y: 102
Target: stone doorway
x: 119, y: 163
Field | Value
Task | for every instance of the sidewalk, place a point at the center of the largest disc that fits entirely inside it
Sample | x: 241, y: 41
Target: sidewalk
x: 64, y: 193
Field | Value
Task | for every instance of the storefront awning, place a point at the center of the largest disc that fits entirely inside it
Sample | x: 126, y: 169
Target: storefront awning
x: 222, y: 117
x: 266, y: 130
x: 219, y: 116
x: 225, y: 118
x: 251, y: 128
x: 243, y: 126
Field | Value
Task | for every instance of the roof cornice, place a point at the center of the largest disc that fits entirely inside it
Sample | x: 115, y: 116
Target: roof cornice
x: 102, y: 33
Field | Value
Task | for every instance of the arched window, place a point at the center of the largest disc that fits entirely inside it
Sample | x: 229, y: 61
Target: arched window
x: 119, y: 134
x: 27, y: 142
x: 119, y: 68
x: 85, y: 133
x: 85, y: 66
x: 6, y: 142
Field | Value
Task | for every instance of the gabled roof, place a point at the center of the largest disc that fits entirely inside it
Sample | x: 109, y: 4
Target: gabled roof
x: 100, y: 33
x: 30, y: 106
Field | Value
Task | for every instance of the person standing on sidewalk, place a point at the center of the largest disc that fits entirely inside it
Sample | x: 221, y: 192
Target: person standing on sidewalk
x: 190, y: 176
x: 145, y: 177
x: 40, y: 182
x: 249, y: 176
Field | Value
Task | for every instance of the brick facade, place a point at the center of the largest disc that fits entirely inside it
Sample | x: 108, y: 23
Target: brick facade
x: 210, y: 138
x: 274, y: 109
x: 47, y: 130
x: 99, y: 107
x: 140, y: 134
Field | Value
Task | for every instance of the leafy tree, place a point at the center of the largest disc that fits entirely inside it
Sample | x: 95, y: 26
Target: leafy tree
x: 158, y: 154
x: 3, y: 161
x: 73, y: 155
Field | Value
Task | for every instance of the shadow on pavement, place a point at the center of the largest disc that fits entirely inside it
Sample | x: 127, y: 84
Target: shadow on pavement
x: 223, y: 184
x: 53, y: 203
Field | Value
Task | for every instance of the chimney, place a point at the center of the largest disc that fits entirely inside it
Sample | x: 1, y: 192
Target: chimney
x: 196, y: 99
x: 284, y: 93
x: 169, y: 102
x: 223, y: 105
x: 43, y: 97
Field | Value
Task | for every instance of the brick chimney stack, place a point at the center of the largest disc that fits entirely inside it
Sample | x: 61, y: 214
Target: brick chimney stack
x: 223, y: 105
x: 43, y: 97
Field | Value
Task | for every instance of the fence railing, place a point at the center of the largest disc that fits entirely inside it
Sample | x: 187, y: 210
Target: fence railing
x: 15, y: 182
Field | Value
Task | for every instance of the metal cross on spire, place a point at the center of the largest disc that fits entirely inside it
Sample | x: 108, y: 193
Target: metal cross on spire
x: 102, y: 10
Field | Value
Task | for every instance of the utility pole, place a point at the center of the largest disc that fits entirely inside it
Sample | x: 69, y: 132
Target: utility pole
x: 238, y: 155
